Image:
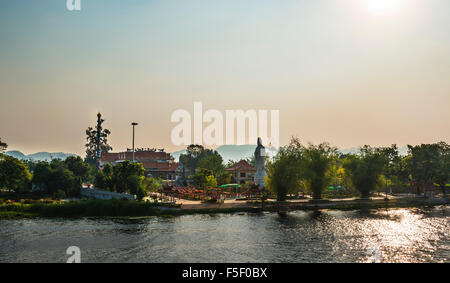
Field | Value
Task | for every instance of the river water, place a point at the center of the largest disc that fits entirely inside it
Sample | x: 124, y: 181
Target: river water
x: 385, y: 235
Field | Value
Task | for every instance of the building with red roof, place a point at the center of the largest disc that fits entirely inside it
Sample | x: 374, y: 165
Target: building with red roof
x: 157, y: 163
x: 242, y: 172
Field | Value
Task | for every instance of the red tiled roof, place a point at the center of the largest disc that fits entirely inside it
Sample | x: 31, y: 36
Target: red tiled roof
x: 138, y: 156
x: 151, y: 160
x: 161, y: 166
x: 242, y: 165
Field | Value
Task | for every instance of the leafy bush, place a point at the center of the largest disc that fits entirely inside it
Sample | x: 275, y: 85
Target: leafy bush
x: 60, y: 194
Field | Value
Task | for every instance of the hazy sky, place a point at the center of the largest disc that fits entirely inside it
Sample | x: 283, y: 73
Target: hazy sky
x: 350, y: 72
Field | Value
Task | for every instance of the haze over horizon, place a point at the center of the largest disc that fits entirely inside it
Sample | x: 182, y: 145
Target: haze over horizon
x: 347, y: 72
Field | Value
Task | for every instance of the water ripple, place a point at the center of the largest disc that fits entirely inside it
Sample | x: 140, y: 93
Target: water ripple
x: 391, y: 235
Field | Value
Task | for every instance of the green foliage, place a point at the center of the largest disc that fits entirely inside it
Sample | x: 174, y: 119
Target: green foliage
x: 127, y: 177
x: 60, y: 194
x: 394, y: 171
x: 429, y: 163
x: 89, y: 208
x: 194, y: 154
x: 204, y: 179
x: 315, y: 167
x: 91, y: 145
x: 104, y: 178
x: 141, y: 193
x: 223, y: 178
x: 41, y: 174
x: 62, y: 178
x: 283, y: 172
x: 57, y: 175
x: 103, y: 182
x: 442, y: 174
x: 215, y: 164
x: 14, y: 174
x: 365, y: 169
x: 78, y: 167
x: 108, y: 170
x: 134, y: 183
x: 151, y: 184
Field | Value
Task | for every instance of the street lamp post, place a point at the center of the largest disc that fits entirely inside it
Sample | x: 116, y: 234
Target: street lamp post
x: 133, y: 124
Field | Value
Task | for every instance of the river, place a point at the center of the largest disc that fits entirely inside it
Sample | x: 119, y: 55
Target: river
x: 384, y: 235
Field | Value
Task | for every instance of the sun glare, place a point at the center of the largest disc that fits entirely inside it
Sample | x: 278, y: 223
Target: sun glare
x: 383, y: 7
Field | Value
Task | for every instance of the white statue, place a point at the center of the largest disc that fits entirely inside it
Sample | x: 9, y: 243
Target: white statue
x: 260, y: 153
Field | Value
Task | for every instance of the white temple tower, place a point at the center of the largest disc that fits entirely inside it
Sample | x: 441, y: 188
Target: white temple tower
x: 260, y: 164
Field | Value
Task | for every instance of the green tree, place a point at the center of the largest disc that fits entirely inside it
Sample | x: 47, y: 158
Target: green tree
x: 60, y: 194
x: 101, y: 182
x: 204, y: 179
x: 108, y: 169
x: 442, y: 177
x: 215, y: 164
x: 428, y: 163
x: 151, y: 184
x: 365, y: 169
x: 53, y: 176
x: 283, y: 172
x: 136, y: 186
x: 41, y: 175
x: 194, y: 153
x: 316, y: 164
x: 422, y: 165
x: 14, y: 175
x: 122, y: 176
x: 63, y: 179
x: 393, y: 167
x: 92, y: 136
x: 79, y: 168
x: 223, y: 178
x: 104, y: 178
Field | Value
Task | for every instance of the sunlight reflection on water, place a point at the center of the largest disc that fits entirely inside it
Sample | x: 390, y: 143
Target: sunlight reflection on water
x: 385, y: 235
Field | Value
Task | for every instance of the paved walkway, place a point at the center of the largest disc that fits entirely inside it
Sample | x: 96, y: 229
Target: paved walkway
x: 232, y: 203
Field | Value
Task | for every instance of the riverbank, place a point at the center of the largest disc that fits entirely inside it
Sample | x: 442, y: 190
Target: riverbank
x: 124, y: 208
x: 83, y: 208
x: 373, y: 203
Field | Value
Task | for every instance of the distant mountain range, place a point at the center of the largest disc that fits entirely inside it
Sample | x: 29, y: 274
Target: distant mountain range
x: 39, y: 156
x: 401, y: 150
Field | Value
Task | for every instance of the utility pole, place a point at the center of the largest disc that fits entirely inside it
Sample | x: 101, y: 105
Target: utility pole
x: 133, y: 124
x: 98, y: 152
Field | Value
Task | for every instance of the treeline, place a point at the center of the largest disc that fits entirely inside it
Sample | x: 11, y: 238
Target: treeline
x: 61, y: 179
x: 57, y: 178
x: 64, y: 178
x: 297, y: 168
x: 313, y: 168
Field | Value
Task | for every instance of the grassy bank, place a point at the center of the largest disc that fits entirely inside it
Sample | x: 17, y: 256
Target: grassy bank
x: 13, y: 215
x: 78, y: 209
x: 103, y: 208
x: 124, y: 208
